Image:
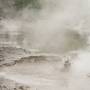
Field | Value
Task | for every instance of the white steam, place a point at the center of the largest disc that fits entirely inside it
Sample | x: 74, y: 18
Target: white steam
x: 58, y: 26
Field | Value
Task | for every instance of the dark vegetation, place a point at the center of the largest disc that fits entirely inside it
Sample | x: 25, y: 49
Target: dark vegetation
x: 20, y: 4
x: 11, y: 7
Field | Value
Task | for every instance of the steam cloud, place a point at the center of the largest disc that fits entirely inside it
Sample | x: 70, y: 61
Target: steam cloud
x: 59, y: 26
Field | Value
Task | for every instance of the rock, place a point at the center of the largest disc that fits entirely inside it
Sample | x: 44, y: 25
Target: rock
x: 9, y: 55
x: 7, y: 84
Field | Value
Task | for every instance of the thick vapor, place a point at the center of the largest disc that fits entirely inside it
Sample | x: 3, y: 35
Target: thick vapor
x: 59, y: 26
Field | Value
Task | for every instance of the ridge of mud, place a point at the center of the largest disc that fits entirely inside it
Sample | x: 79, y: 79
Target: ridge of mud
x: 11, y: 55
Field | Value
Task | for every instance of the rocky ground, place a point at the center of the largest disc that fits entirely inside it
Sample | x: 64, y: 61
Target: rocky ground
x: 10, y: 55
x: 6, y: 84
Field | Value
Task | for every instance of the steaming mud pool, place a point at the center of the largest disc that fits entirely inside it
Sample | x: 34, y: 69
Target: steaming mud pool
x: 48, y: 72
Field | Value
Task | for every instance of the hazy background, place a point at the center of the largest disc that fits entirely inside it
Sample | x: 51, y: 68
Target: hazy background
x: 54, y: 26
